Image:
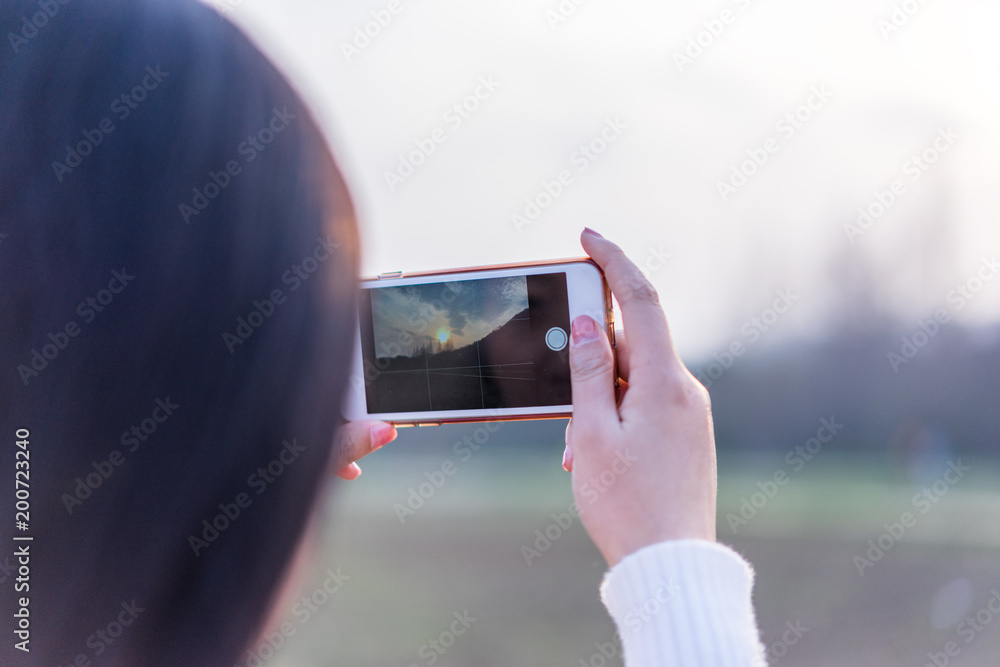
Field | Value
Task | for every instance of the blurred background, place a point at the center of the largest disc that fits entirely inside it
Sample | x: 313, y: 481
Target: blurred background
x: 812, y: 189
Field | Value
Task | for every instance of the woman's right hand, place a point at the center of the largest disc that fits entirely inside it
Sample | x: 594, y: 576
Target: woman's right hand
x: 644, y: 470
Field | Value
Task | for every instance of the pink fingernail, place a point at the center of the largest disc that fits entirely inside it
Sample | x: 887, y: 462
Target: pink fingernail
x: 588, y: 230
x: 566, y: 460
x: 584, y: 329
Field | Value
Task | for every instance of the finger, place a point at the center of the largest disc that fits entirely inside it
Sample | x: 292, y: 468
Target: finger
x: 621, y: 353
x: 350, y: 471
x: 642, y: 315
x: 591, y: 366
x: 567, y: 462
x: 355, y: 440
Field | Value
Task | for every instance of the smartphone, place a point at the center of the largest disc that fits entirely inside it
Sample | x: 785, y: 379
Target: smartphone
x: 482, y: 343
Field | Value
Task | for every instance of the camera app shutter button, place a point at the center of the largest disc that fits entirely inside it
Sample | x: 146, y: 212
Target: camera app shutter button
x: 556, y: 338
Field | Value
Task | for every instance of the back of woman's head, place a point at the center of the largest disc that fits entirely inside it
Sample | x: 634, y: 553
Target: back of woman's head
x: 177, y: 290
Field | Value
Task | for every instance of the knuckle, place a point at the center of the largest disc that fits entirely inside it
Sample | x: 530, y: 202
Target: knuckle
x: 683, y: 391
x: 634, y: 286
x: 698, y: 387
x: 700, y: 395
x: 641, y: 290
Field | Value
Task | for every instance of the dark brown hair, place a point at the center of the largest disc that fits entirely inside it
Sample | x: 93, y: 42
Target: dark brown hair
x: 177, y: 297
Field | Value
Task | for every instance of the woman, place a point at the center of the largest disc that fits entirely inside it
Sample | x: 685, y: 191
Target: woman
x: 173, y: 371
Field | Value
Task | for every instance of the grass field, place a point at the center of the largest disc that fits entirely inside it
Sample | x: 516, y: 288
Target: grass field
x: 461, y: 553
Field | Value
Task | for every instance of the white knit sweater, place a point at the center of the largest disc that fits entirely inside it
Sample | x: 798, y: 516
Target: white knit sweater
x: 684, y: 602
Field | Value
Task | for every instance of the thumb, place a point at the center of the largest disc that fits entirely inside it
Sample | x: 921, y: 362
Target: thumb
x: 355, y: 440
x: 591, y: 365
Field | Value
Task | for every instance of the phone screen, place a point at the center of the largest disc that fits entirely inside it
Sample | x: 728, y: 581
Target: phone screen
x: 482, y: 343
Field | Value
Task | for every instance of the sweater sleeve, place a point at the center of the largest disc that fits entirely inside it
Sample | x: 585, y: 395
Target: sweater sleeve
x: 684, y: 602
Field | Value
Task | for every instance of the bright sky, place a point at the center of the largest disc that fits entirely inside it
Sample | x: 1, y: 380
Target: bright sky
x: 663, y: 134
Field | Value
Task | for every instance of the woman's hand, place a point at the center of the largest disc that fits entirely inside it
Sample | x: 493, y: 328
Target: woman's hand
x: 644, y: 470
x: 355, y: 440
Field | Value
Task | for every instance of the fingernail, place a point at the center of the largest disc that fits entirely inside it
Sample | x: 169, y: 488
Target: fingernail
x: 356, y: 468
x: 588, y: 230
x: 382, y: 434
x: 584, y: 330
x: 567, y: 459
